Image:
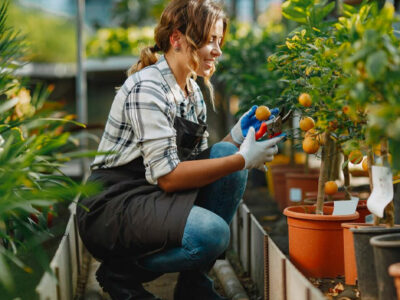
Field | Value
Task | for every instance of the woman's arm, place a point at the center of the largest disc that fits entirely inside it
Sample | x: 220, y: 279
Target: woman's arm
x: 198, y: 173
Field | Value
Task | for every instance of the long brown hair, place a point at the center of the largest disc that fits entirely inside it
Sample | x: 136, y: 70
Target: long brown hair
x: 194, y: 19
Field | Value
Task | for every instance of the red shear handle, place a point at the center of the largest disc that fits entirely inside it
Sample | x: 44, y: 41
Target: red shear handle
x: 263, y: 129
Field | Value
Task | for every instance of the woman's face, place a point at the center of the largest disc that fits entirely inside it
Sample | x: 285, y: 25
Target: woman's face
x: 211, y: 50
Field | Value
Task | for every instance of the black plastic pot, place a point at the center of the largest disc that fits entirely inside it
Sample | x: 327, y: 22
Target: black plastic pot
x: 386, y: 252
x: 366, y: 277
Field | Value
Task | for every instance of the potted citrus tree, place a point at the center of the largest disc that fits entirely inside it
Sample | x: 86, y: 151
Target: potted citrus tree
x: 312, y: 71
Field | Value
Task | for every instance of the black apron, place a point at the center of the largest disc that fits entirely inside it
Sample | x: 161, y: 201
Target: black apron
x: 132, y: 218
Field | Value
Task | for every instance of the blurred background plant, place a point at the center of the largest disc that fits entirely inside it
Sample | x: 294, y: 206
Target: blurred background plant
x: 34, y: 144
x: 120, y: 41
x: 243, y: 66
x: 137, y: 12
x: 51, y: 38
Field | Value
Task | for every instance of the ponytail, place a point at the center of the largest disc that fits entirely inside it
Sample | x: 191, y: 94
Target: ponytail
x: 148, y: 56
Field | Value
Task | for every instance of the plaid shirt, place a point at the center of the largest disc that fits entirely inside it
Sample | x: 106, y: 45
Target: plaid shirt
x: 141, y: 119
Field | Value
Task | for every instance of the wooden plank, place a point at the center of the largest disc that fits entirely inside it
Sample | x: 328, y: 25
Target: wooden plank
x: 298, y: 286
x: 61, y: 266
x: 257, y: 255
x: 276, y: 272
x: 235, y: 233
x: 245, y: 235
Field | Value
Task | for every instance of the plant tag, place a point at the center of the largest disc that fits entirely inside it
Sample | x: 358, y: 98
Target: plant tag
x: 345, y: 207
x: 382, y: 192
x: 295, y: 195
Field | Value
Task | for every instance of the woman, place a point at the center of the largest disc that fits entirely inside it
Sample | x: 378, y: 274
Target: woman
x: 168, y: 199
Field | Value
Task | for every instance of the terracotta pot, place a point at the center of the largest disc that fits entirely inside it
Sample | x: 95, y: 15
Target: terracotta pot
x: 394, y: 271
x: 361, y: 208
x: 316, y: 241
x: 298, y: 184
x: 279, y: 182
x: 386, y: 252
x: 350, y: 267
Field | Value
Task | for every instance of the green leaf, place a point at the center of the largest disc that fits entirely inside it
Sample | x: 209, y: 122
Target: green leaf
x: 376, y: 64
x: 394, y: 147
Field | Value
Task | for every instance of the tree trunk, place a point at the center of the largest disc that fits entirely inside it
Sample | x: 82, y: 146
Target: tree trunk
x: 323, y: 173
x: 389, y: 209
x: 346, y: 175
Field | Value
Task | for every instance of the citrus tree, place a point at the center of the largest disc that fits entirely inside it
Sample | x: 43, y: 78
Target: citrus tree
x: 312, y: 71
x: 371, y: 57
x: 33, y: 147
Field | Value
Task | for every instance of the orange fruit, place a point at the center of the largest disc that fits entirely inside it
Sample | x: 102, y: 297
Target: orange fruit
x: 305, y: 100
x: 346, y: 109
x: 377, y: 149
x: 364, y: 164
x: 262, y: 113
x: 306, y: 123
x: 355, y: 157
x: 320, y: 137
x: 331, y: 187
x: 310, y: 145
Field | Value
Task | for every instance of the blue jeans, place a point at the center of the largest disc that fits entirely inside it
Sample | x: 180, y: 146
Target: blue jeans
x: 206, y: 234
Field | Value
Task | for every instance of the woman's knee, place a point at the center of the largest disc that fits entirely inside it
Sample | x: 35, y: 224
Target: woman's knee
x: 222, y: 149
x: 206, y: 235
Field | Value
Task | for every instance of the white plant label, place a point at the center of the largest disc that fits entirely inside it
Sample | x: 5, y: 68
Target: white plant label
x: 295, y: 195
x: 345, y: 207
x: 382, y: 192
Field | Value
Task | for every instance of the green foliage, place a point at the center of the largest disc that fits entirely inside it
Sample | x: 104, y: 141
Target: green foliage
x: 50, y: 38
x: 137, y: 12
x: 243, y: 67
x: 33, y: 147
x: 119, y: 41
x: 371, y: 57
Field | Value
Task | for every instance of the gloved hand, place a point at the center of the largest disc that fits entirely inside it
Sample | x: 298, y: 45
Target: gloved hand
x: 247, y: 120
x: 256, y: 154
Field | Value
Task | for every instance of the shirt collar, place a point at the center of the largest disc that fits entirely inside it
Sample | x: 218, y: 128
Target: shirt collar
x: 169, y: 77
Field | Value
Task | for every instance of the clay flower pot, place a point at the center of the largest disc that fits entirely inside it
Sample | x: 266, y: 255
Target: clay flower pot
x: 386, y: 252
x: 394, y: 270
x: 350, y: 267
x: 298, y: 184
x: 279, y: 181
x: 366, y: 274
x: 316, y: 241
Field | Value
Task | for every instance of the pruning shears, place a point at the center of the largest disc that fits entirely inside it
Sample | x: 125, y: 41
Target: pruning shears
x: 273, y: 127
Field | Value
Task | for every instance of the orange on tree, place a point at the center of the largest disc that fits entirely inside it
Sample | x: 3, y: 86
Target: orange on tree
x: 262, y: 113
x: 355, y: 157
x: 306, y: 123
x: 310, y: 145
x: 331, y: 187
x: 364, y: 164
x: 346, y: 109
x: 305, y: 100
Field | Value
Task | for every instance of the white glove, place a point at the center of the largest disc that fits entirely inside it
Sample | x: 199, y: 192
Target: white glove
x: 256, y: 154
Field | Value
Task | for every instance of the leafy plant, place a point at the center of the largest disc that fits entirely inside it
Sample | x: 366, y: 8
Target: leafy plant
x: 50, y: 38
x: 33, y: 147
x: 371, y: 57
x: 119, y: 41
x: 311, y: 68
x: 243, y: 67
